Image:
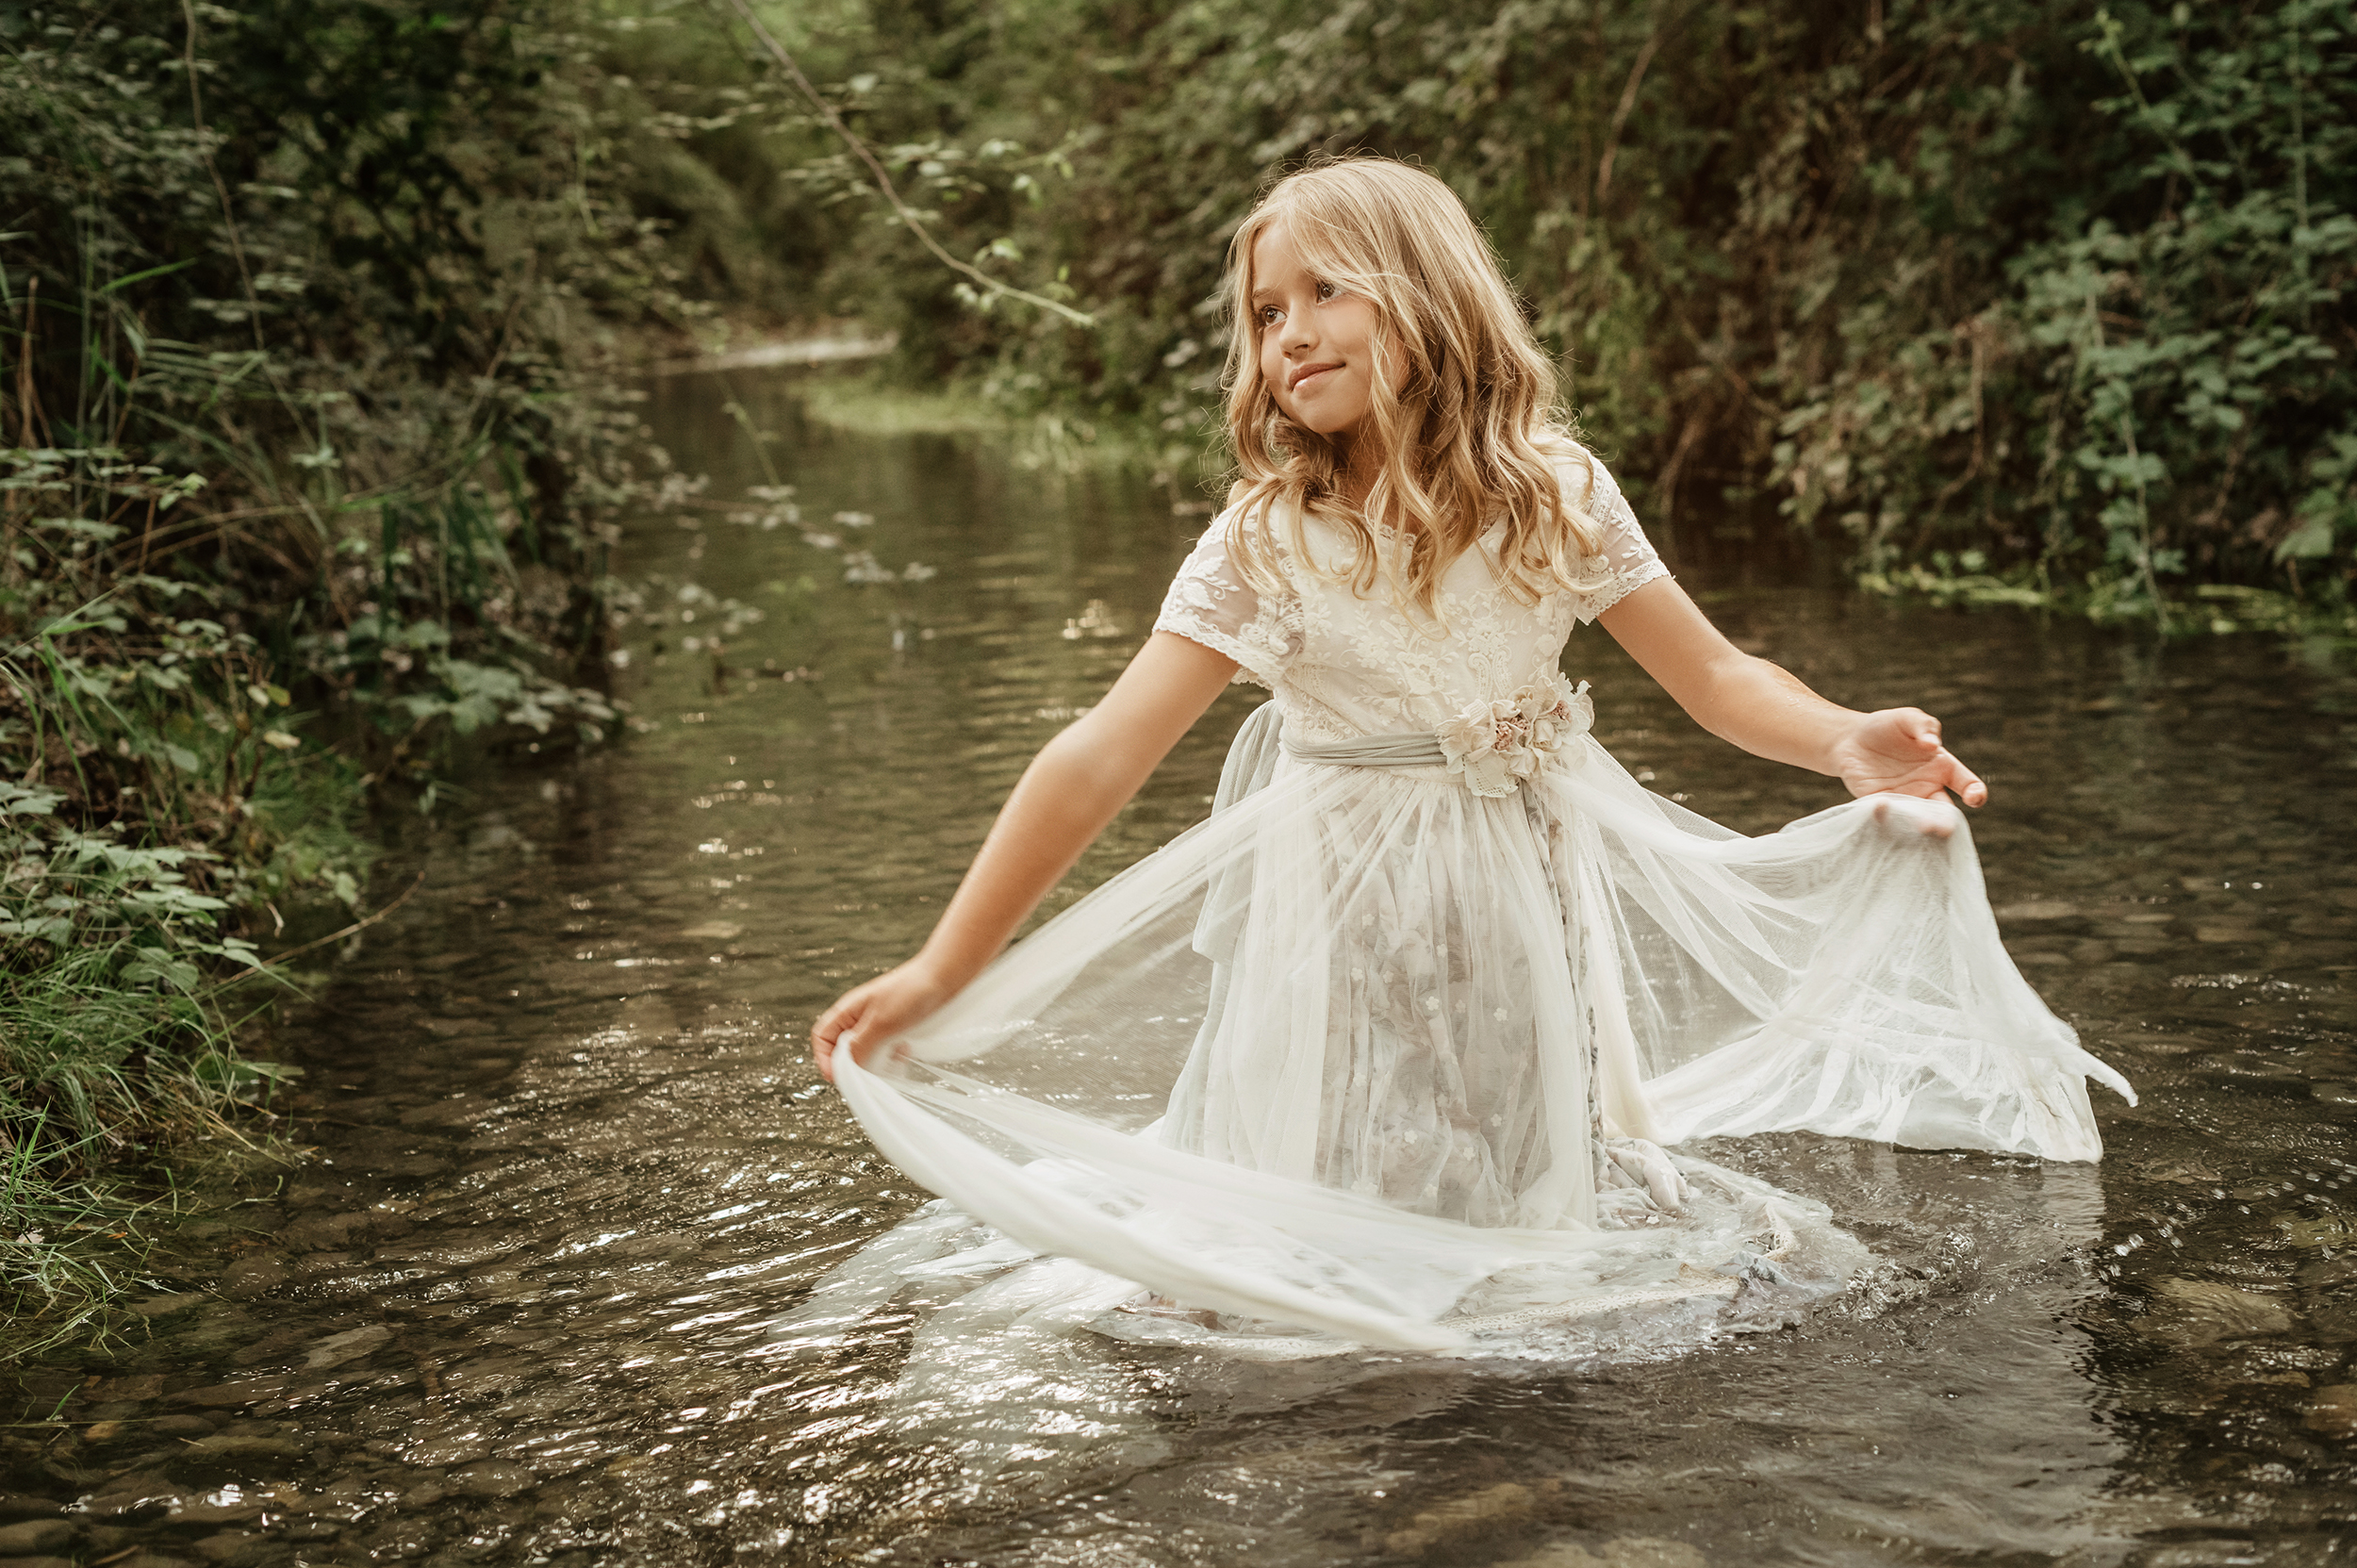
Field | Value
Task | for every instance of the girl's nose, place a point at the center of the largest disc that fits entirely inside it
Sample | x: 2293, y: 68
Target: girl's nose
x: 1297, y: 334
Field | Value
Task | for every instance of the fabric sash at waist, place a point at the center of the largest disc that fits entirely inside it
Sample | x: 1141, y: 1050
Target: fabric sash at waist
x: 1392, y: 749
x: 1252, y: 757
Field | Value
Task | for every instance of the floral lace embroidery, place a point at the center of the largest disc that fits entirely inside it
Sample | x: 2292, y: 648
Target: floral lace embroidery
x: 1627, y: 554
x: 1342, y: 665
x: 1211, y: 603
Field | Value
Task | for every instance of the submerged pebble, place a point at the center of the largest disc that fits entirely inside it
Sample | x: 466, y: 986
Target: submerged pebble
x: 1633, y: 1551
x: 1473, y: 1515
x: 2333, y: 1411
x: 38, y: 1537
x: 2194, y: 1312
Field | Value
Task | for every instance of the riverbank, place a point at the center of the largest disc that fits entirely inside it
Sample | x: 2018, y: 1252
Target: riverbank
x: 203, y: 757
x: 179, y: 793
x: 308, y: 465
x: 2327, y: 619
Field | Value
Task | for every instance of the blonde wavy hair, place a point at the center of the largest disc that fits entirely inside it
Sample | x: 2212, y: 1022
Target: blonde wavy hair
x: 1469, y: 430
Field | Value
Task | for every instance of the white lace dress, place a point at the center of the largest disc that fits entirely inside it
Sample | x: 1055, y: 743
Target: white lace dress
x: 1370, y: 1058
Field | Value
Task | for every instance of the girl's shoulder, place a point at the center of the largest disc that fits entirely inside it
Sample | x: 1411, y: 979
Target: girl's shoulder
x: 1588, y: 488
x: 1254, y: 519
x: 1243, y: 546
x: 1582, y: 472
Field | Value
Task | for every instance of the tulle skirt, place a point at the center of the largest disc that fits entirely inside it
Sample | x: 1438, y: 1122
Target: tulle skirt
x: 1365, y: 1059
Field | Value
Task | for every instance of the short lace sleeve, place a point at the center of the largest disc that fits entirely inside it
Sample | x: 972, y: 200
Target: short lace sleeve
x: 1210, y: 602
x: 1626, y: 561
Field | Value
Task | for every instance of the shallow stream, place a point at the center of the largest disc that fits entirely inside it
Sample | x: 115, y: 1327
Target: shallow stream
x: 570, y: 1153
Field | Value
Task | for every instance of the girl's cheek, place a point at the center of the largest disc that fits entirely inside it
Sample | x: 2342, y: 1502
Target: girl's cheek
x: 1273, y: 377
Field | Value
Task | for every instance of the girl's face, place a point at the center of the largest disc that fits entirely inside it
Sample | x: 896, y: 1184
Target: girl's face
x: 1317, y: 344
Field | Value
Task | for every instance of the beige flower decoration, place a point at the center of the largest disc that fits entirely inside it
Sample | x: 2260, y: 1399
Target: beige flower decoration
x: 1496, y: 744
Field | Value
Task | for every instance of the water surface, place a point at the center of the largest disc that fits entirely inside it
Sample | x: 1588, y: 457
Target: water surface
x: 570, y: 1153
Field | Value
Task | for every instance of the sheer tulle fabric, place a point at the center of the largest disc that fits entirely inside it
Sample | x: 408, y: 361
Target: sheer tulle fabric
x: 1365, y: 1058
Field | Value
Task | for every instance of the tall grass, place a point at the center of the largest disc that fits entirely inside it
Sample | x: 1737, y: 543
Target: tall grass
x: 114, y: 1039
x: 69, y: 1251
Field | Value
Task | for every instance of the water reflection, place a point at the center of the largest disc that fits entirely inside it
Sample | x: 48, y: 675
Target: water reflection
x: 571, y: 1155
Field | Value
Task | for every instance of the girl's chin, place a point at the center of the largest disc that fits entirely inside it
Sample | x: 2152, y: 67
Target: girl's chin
x: 1328, y: 424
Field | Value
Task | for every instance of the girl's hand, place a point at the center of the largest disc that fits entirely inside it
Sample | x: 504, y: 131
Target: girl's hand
x: 866, y: 1018
x: 1898, y: 750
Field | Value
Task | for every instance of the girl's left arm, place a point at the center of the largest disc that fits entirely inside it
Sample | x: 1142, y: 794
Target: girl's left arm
x: 1768, y: 713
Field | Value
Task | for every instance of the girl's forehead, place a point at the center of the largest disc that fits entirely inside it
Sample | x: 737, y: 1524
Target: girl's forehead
x: 1272, y: 256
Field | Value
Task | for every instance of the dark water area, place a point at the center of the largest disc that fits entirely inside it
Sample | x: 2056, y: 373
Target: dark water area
x: 571, y: 1154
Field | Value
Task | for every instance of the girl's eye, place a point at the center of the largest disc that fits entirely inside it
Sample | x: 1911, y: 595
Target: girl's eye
x: 1327, y: 292
x: 1270, y: 315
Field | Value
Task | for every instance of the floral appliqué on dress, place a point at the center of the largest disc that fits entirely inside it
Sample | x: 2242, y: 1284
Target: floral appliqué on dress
x: 1495, y: 746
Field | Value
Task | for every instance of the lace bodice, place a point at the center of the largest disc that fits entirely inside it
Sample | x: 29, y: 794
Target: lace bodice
x: 1342, y: 664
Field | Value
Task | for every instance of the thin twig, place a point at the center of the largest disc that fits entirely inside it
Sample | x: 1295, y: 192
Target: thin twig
x: 353, y: 929
x: 1620, y: 113
x: 883, y: 181
x: 27, y: 395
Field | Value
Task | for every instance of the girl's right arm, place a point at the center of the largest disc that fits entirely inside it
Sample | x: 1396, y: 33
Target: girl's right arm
x: 1768, y: 712
x: 1064, y: 801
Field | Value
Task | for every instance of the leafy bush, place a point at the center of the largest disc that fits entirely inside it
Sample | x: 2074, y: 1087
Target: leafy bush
x: 311, y: 477
x: 2159, y: 386
x: 2058, y: 284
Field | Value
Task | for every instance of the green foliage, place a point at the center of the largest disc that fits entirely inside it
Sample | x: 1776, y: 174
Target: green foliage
x: 306, y: 476
x: 113, y: 1031
x: 295, y: 340
x: 2166, y: 367
x: 2060, y: 284
x: 69, y: 1247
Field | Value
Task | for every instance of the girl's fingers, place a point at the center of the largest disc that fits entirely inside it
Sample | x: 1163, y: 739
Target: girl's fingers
x: 1965, y: 783
x: 1948, y: 773
x: 1902, y: 752
x: 830, y: 1033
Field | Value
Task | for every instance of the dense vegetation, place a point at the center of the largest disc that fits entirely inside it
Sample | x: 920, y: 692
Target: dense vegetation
x: 300, y: 476
x: 1999, y: 298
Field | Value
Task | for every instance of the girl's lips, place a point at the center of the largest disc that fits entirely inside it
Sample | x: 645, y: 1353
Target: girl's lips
x: 1306, y: 373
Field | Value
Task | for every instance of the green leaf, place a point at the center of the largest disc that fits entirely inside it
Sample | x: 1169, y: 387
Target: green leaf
x: 18, y: 800
x: 141, y: 278
x: 155, y: 964
x: 2311, y: 539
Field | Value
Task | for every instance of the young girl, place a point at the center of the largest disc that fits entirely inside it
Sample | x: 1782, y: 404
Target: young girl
x: 1383, y: 1051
